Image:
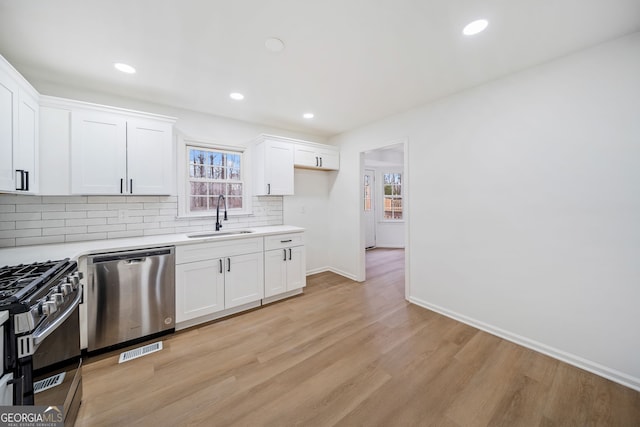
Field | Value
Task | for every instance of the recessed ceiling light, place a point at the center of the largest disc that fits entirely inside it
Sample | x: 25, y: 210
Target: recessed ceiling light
x: 274, y: 45
x: 125, y: 68
x: 237, y: 96
x: 308, y: 115
x: 475, y: 27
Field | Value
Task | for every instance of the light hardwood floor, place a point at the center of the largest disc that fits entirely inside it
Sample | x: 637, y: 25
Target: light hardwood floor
x: 348, y: 354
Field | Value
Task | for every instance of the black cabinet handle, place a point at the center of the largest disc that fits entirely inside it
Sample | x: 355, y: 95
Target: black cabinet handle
x: 285, y: 254
x: 21, y: 172
x: 320, y: 161
x: 228, y: 264
x: 317, y: 164
x: 268, y: 188
x: 285, y: 241
x: 289, y: 254
x: 220, y: 265
x: 26, y: 174
x: 121, y: 185
x: 131, y: 186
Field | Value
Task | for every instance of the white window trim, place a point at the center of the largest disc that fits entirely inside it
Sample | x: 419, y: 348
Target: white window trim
x: 183, y: 179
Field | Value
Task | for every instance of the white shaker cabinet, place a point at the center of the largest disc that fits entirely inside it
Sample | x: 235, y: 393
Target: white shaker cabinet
x: 116, y: 154
x: 19, y: 112
x: 316, y: 156
x: 273, y: 167
x: 215, y: 277
x: 199, y: 289
x: 284, y: 264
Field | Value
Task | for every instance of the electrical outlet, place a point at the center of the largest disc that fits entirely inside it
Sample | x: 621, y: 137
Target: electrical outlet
x: 122, y: 214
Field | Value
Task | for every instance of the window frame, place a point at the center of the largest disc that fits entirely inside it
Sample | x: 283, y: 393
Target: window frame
x: 183, y: 185
x: 383, y: 196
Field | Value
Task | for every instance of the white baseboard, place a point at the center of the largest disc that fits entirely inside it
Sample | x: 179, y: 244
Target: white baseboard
x: 572, y: 359
x: 333, y: 270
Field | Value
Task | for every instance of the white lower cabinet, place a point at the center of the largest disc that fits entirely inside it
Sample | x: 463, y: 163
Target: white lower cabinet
x: 199, y: 289
x: 243, y: 280
x: 284, y: 264
x: 214, y: 277
x: 284, y: 270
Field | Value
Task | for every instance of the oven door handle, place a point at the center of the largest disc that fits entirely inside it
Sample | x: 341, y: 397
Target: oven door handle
x: 39, y: 336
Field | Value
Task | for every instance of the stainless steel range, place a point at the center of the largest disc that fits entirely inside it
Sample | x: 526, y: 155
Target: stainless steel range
x: 41, y: 335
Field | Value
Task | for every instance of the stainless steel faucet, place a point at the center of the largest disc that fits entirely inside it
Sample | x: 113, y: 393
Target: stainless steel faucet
x: 218, y: 225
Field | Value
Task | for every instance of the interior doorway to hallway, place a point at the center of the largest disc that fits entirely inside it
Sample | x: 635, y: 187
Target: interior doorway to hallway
x: 384, y: 215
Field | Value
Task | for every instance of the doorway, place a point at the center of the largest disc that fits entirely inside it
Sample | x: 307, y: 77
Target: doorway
x: 384, y: 215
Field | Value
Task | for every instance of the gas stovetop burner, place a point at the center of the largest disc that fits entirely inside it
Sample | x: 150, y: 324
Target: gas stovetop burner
x: 19, y: 281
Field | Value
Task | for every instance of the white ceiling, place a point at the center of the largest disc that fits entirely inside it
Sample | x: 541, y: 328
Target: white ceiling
x: 348, y: 61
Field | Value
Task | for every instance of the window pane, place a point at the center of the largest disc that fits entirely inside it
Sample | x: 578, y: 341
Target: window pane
x: 234, y: 202
x: 198, y: 203
x: 210, y: 173
x: 216, y: 189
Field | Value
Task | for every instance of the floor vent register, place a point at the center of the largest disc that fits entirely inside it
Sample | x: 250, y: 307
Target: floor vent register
x: 48, y: 383
x: 140, y: 351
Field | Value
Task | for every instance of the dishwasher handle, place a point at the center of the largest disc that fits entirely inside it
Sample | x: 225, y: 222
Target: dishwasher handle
x: 131, y: 257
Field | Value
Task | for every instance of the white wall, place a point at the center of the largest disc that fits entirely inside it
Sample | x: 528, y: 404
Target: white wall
x: 309, y: 208
x: 525, y: 206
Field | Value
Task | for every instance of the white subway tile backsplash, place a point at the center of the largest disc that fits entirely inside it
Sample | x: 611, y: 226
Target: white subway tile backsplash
x: 44, y: 240
x: 40, y: 208
x: 121, y: 234
x: 29, y: 220
x: 86, y: 207
x: 85, y: 237
x: 7, y: 225
x: 107, y: 228
x: 63, y: 215
x: 85, y: 221
x: 21, y: 216
x: 63, y: 230
x: 40, y: 224
x: 4, y: 234
x: 6, y: 243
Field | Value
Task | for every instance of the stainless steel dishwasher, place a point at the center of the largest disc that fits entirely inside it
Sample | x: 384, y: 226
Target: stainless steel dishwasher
x: 130, y: 295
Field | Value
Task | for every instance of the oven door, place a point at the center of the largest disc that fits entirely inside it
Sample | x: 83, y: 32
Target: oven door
x: 57, y: 371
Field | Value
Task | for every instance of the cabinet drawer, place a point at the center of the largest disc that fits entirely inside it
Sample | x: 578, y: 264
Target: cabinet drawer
x: 211, y: 250
x: 279, y: 241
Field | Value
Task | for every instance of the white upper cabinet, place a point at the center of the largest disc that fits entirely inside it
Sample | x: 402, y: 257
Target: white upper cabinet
x: 273, y: 167
x: 98, y: 153
x: 274, y: 159
x: 18, y: 132
x: 108, y: 151
x: 316, y: 156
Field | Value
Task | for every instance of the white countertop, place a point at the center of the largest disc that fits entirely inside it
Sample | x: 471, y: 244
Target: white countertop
x: 39, y: 253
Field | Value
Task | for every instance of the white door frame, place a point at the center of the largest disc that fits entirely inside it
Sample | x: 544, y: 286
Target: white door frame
x: 370, y: 216
x: 361, y: 272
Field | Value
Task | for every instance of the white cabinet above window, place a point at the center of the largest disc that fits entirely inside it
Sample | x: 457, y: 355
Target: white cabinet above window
x: 110, y: 151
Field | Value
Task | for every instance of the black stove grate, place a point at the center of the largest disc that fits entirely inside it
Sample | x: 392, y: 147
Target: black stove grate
x: 19, y: 281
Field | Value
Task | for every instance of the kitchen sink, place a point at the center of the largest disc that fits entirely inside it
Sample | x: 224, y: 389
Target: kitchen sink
x: 217, y: 233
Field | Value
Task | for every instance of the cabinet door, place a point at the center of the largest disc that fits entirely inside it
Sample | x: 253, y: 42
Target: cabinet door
x: 275, y: 272
x: 306, y: 156
x: 55, y: 143
x: 98, y: 153
x: 244, y: 279
x: 199, y: 289
x: 8, y: 130
x: 149, y: 157
x: 329, y: 159
x: 278, y: 168
x: 296, y: 268
x: 26, y: 150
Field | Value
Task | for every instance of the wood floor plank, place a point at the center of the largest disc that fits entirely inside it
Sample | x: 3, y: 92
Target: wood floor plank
x: 347, y: 354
